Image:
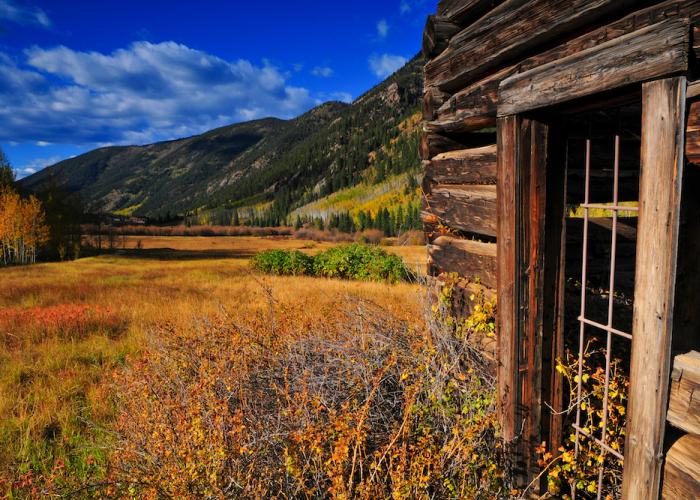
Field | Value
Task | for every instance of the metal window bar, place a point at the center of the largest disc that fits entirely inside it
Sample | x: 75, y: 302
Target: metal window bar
x: 615, y: 208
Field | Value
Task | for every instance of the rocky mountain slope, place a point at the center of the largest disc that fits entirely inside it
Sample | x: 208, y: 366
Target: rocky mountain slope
x: 271, y: 165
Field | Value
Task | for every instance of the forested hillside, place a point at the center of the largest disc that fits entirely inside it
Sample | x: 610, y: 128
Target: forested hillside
x: 261, y: 171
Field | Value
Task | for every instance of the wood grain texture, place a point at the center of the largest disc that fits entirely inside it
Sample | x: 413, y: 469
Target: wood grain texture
x: 508, y: 150
x: 436, y: 35
x: 692, y: 138
x: 480, y: 99
x: 432, y: 144
x: 465, y: 12
x: 466, y: 207
x: 682, y: 469
x: 652, y: 52
x: 512, y: 29
x: 433, y: 99
x: 464, y: 166
x: 662, y: 163
x: 469, y: 259
x: 684, y: 402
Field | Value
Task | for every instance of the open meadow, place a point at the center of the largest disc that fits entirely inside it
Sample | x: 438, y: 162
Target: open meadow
x: 69, y: 328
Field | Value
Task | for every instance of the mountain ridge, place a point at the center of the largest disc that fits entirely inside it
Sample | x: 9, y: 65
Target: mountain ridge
x: 281, y: 163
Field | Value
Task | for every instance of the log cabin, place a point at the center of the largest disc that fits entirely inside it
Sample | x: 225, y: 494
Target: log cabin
x: 561, y: 154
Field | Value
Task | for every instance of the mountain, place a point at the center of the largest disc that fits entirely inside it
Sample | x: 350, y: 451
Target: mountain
x: 265, y: 168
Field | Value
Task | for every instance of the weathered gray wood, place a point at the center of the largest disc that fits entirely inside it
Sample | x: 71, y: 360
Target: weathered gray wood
x: 682, y: 469
x: 511, y: 30
x: 663, y: 131
x: 465, y: 12
x: 684, y: 401
x: 469, y: 208
x: 436, y: 35
x: 469, y: 259
x: 465, y: 166
x: 652, y: 52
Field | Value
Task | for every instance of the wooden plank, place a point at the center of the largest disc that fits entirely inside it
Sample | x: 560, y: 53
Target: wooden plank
x: 684, y: 402
x: 469, y: 208
x: 481, y: 98
x: 663, y: 131
x: 468, y: 258
x: 509, y: 31
x: 532, y: 268
x: 466, y: 12
x: 693, y: 90
x: 692, y: 138
x: 432, y: 144
x: 436, y: 35
x: 682, y: 469
x: 465, y: 166
x: 652, y: 52
x: 508, y: 153
x: 433, y: 99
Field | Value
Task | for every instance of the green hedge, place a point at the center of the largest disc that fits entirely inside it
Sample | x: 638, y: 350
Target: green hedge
x: 355, y: 261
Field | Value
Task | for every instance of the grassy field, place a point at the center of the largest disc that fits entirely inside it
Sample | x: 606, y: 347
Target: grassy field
x: 66, y: 327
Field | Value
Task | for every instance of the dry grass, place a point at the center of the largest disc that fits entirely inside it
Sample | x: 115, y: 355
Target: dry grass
x: 53, y: 403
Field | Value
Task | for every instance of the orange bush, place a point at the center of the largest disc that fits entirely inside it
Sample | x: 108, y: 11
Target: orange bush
x: 74, y: 321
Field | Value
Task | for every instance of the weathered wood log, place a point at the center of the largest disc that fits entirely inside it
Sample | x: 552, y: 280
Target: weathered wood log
x: 433, y: 144
x: 652, y: 52
x: 466, y: 166
x: 468, y: 208
x: 481, y: 98
x: 693, y: 90
x: 509, y: 31
x: 663, y: 132
x: 436, y: 35
x: 433, y: 99
x: 467, y: 258
x: 692, y: 133
x: 684, y: 402
x: 507, y: 319
x: 682, y: 469
x: 465, y: 12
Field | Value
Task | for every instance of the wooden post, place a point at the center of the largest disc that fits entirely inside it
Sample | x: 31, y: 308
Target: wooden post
x: 521, y: 205
x: 508, y: 152
x: 662, y: 161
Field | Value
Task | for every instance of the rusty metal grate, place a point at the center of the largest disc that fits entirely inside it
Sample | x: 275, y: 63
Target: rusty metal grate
x: 585, y: 322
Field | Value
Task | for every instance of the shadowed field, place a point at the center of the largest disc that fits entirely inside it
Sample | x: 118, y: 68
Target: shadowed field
x: 65, y: 327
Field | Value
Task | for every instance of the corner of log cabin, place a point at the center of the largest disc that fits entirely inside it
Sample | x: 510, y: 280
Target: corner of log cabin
x: 490, y: 64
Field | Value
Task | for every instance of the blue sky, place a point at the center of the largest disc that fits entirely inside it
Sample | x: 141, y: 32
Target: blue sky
x: 76, y: 75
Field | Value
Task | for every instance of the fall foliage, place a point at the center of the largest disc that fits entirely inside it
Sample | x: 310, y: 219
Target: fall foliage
x: 22, y: 228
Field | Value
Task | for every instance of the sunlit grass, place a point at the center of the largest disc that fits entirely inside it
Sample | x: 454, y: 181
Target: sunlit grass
x: 52, y: 400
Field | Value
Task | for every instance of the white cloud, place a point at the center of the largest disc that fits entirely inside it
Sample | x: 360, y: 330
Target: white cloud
x: 386, y: 64
x: 405, y: 7
x: 36, y: 165
x: 23, y: 14
x: 382, y: 28
x: 142, y: 93
x: 322, y: 71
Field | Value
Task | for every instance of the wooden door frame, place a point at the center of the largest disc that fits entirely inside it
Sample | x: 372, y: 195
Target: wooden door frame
x: 531, y: 210
x: 525, y: 270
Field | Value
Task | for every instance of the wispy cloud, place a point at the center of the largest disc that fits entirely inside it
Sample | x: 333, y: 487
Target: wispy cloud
x: 35, y: 165
x: 386, y: 64
x: 382, y: 28
x: 322, y: 71
x: 142, y: 93
x: 405, y: 7
x: 24, y: 14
